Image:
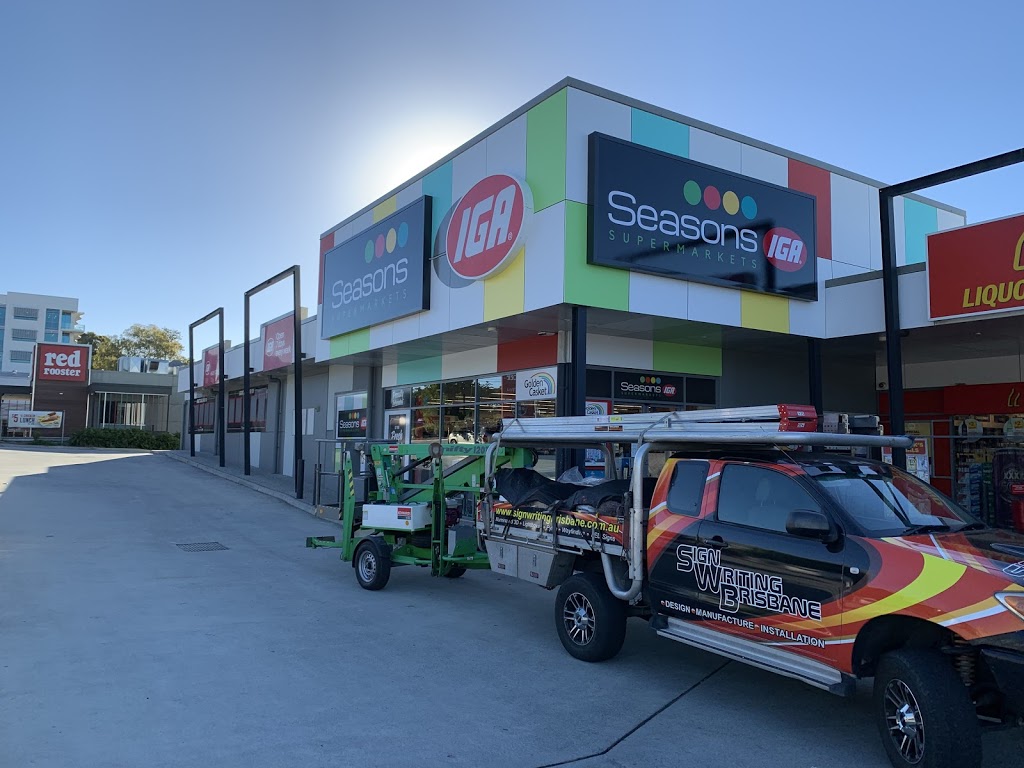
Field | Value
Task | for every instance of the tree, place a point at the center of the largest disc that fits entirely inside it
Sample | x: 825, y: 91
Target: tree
x: 137, y: 341
x: 151, y: 341
x: 105, y: 350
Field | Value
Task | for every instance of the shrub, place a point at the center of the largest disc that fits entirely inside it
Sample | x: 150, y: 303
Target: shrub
x: 126, y: 438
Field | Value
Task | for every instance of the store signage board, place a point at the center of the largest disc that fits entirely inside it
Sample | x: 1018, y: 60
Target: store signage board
x: 537, y: 384
x: 664, y: 215
x: 976, y: 270
x: 352, y: 423
x: 36, y: 419
x: 211, y: 367
x: 278, y: 341
x: 649, y: 386
x: 380, y: 274
x: 68, y: 363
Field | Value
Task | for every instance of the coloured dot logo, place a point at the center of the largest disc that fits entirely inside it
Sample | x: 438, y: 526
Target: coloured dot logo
x: 650, y: 380
x: 714, y: 199
x: 396, y: 237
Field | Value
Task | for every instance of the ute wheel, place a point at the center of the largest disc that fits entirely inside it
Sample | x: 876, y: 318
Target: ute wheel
x: 373, y: 563
x: 455, y: 572
x: 924, y: 712
x: 591, y: 621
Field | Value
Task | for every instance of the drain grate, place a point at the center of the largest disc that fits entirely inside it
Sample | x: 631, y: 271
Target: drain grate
x: 202, y: 546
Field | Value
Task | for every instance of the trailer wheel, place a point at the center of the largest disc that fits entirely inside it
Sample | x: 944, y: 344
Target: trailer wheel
x: 924, y: 713
x: 455, y: 572
x: 591, y: 621
x: 373, y: 563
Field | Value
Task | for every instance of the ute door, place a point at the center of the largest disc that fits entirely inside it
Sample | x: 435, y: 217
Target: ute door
x: 777, y: 584
x: 672, y: 528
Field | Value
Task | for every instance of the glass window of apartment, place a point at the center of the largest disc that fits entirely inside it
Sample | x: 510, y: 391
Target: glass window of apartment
x: 26, y: 313
x: 65, y: 338
x: 52, y: 319
x: 50, y: 336
x: 3, y: 315
x: 24, y: 334
x: 17, y: 356
x: 66, y: 321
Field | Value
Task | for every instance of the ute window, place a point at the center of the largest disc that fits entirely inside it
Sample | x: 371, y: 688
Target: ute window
x: 686, y: 489
x: 760, y: 498
x: 889, y: 502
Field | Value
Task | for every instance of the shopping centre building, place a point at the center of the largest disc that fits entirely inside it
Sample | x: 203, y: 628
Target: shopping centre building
x: 593, y: 253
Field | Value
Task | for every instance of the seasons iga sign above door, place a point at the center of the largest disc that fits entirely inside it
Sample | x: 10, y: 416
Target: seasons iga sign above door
x: 484, y: 231
x: 661, y: 214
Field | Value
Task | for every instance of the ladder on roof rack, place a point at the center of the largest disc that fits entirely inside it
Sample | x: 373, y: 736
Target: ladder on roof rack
x: 767, y: 425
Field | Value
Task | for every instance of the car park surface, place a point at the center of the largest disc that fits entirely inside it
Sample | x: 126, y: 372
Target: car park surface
x: 118, y: 647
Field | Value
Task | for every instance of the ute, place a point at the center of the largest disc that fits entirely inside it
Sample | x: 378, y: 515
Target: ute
x: 748, y: 533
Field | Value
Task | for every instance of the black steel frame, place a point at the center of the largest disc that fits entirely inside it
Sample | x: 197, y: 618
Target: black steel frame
x: 299, y: 466
x: 222, y: 430
x: 890, y: 276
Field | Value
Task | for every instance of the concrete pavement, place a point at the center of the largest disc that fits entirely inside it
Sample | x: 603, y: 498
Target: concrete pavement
x: 118, y: 648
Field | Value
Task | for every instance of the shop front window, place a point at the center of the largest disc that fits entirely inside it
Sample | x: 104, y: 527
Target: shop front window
x: 257, y: 410
x: 426, y: 425
x: 426, y: 394
x: 988, y: 460
x: 10, y: 403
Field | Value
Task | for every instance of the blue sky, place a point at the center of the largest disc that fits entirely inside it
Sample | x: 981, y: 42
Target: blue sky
x: 158, y: 159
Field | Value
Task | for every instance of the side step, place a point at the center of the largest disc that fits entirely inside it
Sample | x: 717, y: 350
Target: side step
x: 766, y: 657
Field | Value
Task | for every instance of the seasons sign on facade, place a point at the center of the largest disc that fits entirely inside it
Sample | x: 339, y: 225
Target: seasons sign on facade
x: 661, y: 214
x: 380, y: 274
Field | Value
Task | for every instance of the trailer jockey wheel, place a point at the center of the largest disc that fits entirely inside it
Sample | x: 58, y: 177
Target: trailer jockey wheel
x: 454, y: 572
x: 372, y: 563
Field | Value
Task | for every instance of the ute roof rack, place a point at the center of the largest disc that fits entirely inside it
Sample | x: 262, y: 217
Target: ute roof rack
x: 768, y: 425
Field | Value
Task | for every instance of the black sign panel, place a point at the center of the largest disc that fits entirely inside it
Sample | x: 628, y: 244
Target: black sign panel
x: 661, y: 214
x: 380, y: 274
x: 649, y: 386
x: 352, y: 423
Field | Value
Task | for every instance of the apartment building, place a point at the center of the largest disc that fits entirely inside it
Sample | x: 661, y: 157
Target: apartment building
x: 27, y: 318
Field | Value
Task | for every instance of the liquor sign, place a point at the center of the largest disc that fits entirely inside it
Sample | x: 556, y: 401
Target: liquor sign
x: 278, y: 342
x: 380, y: 274
x: 976, y: 270
x: 664, y: 215
x: 63, y: 362
x: 35, y: 419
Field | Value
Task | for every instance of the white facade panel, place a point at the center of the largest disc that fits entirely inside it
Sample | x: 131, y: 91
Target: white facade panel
x: 506, y: 149
x: 472, y: 362
x: 851, y: 231
x: 545, y: 259
x: 854, y: 309
x: 662, y: 296
x: 899, y: 230
x: 761, y: 164
x: 619, y: 352
x: 949, y: 220
x: 409, y: 194
x: 711, y: 304
x: 715, y: 150
x: 586, y: 113
x: 468, y: 168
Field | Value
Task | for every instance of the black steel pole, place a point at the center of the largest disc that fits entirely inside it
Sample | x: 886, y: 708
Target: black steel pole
x: 578, y: 375
x: 191, y: 394
x: 893, y: 331
x: 815, y: 385
x: 297, y: 350
x: 222, y: 429
x: 246, y: 415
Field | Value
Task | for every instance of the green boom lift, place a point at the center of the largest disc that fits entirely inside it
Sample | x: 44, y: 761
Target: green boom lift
x: 405, y: 522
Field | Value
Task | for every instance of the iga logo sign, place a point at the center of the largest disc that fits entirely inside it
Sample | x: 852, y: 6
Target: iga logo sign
x: 784, y: 248
x: 63, y: 362
x: 487, y: 227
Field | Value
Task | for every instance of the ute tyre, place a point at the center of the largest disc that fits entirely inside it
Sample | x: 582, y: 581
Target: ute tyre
x: 455, y: 572
x: 924, y: 713
x: 591, y: 621
x: 373, y: 563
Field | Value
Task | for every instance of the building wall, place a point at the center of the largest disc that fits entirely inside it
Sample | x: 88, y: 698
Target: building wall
x: 546, y: 144
x: 10, y: 324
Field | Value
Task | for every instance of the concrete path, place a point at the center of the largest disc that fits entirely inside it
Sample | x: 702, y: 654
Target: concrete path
x: 119, y: 648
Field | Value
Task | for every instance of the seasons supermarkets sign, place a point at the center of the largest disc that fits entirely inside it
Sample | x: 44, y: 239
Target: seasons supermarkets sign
x: 661, y: 214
